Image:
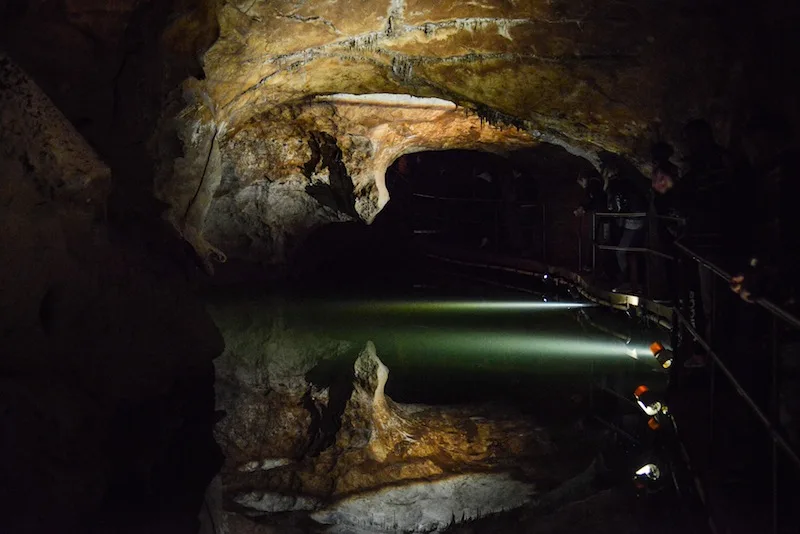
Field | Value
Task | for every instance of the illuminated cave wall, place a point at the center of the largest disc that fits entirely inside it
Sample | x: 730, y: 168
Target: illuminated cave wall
x: 584, y: 74
x: 265, y: 185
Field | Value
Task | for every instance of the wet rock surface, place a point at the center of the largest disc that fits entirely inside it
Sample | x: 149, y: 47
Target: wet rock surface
x: 106, y: 374
x: 582, y: 75
x: 220, y: 98
x: 373, y: 465
x: 258, y: 191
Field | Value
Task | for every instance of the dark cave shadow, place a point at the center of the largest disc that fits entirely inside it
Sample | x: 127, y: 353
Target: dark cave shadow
x: 338, y: 376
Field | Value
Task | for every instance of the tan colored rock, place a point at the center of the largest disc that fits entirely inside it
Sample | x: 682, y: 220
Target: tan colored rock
x: 382, y: 442
x: 583, y: 75
x: 34, y: 131
x: 449, y: 458
x: 244, y: 195
x: 260, y: 59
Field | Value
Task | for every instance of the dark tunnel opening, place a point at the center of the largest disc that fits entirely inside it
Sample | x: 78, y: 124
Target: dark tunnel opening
x: 500, y: 203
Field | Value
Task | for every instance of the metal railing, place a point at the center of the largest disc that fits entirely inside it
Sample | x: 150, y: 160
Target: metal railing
x: 647, y: 249
x: 448, y: 220
x: 678, y: 259
x: 687, y: 331
x: 767, y: 417
x: 769, y: 306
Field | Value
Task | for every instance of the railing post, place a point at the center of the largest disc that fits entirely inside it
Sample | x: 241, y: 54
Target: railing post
x: 594, y: 244
x: 445, y: 220
x: 712, y: 381
x: 544, y: 234
x: 648, y: 258
x: 676, y: 338
x: 775, y: 416
x: 591, y: 387
x: 580, y: 244
x: 682, y: 304
x: 497, y: 218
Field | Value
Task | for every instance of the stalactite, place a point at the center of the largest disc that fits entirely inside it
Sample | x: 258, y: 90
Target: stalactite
x: 498, y: 119
x: 403, y: 69
x: 364, y: 42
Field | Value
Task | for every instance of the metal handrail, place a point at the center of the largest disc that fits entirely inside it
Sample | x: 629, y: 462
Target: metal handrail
x: 632, y: 215
x: 636, y: 249
x: 771, y: 424
x: 521, y: 203
x: 639, y: 215
x: 771, y: 307
x: 612, y: 214
x: 776, y: 437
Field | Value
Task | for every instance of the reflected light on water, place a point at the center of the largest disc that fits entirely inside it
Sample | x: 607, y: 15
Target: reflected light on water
x: 520, y: 345
x: 469, y: 306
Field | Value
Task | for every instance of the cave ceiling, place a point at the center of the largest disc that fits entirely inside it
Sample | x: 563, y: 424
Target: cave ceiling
x: 262, y: 81
x: 586, y: 75
x: 594, y: 74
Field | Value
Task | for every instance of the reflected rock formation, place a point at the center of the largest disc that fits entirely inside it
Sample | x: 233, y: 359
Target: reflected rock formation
x: 389, y: 466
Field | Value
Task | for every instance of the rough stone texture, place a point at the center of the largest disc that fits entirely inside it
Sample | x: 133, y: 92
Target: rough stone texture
x: 264, y: 354
x: 427, y: 506
x: 385, y: 442
x: 250, y: 195
x: 37, y: 133
x: 596, y: 73
x: 586, y: 75
x: 583, y: 74
x: 445, y: 461
x: 261, y: 382
x: 114, y: 70
x: 106, y: 392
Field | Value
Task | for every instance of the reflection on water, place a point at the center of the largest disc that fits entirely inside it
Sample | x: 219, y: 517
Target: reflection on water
x: 473, y: 350
x: 287, y: 382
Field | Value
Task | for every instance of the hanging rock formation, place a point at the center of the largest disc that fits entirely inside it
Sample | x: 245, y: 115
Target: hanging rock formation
x: 442, y: 463
x: 585, y: 75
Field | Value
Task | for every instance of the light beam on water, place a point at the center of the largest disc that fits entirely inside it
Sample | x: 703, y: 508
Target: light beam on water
x: 519, y: 345
x: 437, y: 306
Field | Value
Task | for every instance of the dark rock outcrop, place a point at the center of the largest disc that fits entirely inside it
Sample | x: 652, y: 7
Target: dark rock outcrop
x: 106, y: 374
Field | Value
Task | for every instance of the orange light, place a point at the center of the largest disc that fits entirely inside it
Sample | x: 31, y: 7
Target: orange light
x: 656, y: 347
x: 653, y: 424
x: 640, y: 391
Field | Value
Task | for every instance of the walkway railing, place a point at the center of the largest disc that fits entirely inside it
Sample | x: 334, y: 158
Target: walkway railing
x: 453, y: 214
x: 691, y: 268
x: 689, y: 264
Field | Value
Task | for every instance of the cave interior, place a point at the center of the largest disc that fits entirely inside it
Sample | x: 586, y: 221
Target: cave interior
x: 310, y: 266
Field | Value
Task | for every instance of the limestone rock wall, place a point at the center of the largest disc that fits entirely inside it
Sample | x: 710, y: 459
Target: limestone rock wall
x: 41, y: 138
x: 596, y: 73
x: 106, y: 375
x: 262, y: 381
x: 586, y: 75
x: 383, y: 466
x: 583, y: 74
x: 255, y: 192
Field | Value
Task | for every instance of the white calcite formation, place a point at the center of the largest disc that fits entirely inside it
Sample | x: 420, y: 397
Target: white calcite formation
x: 275, y: 502
x: 427, y: 506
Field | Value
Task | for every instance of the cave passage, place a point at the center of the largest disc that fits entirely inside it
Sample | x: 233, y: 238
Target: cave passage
x: 511, y: 203
x: 324, y: 267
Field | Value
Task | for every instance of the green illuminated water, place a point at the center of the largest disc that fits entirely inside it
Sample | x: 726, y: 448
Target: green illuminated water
x: 516, y: 350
